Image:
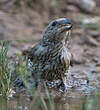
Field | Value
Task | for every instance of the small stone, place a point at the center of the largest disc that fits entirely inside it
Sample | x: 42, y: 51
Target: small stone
x: 87, y: 5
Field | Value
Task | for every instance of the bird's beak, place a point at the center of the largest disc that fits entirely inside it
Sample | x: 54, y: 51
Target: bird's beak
x: 66, y: 24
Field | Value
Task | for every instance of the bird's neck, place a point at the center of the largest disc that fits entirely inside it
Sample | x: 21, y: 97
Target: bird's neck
x: 55, y: 44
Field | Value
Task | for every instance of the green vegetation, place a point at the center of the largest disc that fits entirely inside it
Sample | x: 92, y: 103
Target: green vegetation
x: 21, y: 69
x: 5, y: 71
x: 92, y: 26
x: 39, y: 102
x: 91, y: 102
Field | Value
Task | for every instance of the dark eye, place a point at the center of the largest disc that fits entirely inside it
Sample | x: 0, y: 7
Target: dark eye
x: 54, y: 23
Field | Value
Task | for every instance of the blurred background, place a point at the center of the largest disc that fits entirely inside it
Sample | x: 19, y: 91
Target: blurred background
x: 23, y: 21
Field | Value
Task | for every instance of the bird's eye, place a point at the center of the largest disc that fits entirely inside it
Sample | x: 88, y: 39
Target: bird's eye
x: 54, y: 23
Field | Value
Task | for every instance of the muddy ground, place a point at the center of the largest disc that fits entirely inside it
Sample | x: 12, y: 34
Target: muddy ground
x: 23, y: 23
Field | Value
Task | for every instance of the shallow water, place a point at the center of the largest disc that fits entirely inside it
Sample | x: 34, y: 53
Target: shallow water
x: 66, y: 101
x: 83, y: 93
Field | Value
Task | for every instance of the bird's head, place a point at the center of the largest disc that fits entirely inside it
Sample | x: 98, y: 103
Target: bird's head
x: 58, y: 30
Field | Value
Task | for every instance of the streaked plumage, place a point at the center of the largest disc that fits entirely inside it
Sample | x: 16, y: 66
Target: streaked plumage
x: 50, y: 58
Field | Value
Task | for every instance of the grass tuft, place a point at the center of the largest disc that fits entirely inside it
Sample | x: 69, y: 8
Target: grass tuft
x: 5, y: 71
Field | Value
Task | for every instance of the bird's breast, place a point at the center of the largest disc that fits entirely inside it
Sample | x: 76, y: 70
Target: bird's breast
x: 65, y: 56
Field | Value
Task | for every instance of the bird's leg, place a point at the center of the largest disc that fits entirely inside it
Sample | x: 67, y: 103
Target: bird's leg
x: 64, y: 79
x: 63, y: 85
x: 66, y: 82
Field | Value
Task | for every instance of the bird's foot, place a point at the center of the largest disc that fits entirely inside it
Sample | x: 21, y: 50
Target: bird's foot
x: 67, y: 84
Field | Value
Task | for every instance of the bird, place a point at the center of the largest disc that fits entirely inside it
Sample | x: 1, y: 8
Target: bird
x: 50, y: 58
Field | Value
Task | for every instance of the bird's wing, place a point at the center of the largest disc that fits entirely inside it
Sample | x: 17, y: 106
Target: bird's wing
x: 37, y: 53
x: 32, y: 54
x: 36, y: 59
